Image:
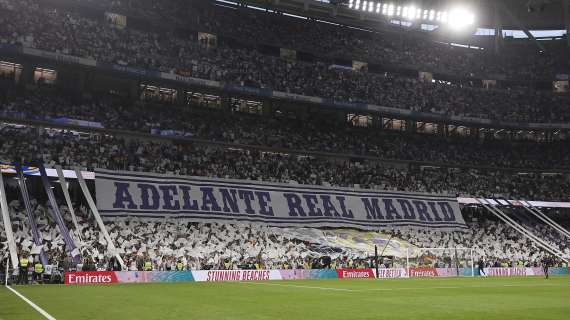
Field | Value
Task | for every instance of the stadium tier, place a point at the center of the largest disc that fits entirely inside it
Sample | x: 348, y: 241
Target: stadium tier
x: 252, y: 141
x: 171, y: 52
x: 233, y: 246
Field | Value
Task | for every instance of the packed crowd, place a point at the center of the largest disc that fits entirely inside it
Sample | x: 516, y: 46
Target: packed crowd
x: 494, y: 242
x: 312, y: 134
x: 179, y: 244
x: 168, y: 51
x: 324, y: 39
x: 291, y: 158
x: 165, y: 243
x: 50, y: 146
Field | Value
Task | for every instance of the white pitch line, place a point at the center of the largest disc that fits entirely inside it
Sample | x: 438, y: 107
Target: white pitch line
x: 33, y: 305
x: 465, y: 287
x: 415, y: 288
x: 300, y: 286
x: 407, y: 288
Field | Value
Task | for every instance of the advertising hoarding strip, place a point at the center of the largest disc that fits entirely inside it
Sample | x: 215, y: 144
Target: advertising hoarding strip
x: 110, y: 277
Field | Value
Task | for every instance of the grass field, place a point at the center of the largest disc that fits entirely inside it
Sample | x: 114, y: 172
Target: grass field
x: 447, y: 298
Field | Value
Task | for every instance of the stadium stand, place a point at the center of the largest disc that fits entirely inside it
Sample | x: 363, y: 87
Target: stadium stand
x: 113, y: 132
x: 233, y: 246
x: 52, y: 146
x: 289, y: 134
x: 167, y: 51
x: 337, y: 41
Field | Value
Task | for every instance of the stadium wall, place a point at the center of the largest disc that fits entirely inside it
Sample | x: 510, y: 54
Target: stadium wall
x: 111, y: 277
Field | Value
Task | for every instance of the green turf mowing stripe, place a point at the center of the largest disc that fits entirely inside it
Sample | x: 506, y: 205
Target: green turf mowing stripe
x: 410, y: 299
x: 14, y: 308
x: 33, y: 305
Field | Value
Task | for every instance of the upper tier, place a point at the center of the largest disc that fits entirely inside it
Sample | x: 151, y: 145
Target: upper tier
x: 171, y: 51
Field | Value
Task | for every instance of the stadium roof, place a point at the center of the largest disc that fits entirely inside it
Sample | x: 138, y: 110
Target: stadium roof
x: 513, y: 14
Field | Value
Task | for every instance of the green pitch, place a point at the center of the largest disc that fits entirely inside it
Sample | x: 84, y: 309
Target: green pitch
x: 423, y: 299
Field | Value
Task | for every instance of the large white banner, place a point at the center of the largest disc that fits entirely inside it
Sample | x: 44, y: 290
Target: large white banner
x: 205, y: 199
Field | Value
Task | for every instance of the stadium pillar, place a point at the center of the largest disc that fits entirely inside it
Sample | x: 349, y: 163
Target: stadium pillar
x: 408, y: 261
x: 180, y: 96
x: 472, y: 264
x: 441, y: 129
x: 379, y: 122
x: 411, y: 126
x: 475, y: 132
x: 134, y: 87
x: 267, y: 109
x: 498, y: 29
x: 456, y: 262
x: 7, y: 270
x: 376, y: 259
x: 566, y: 6
x: 27, y: 76
x: 226, y: 102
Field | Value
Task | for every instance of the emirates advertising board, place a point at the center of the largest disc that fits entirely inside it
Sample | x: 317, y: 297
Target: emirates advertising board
x: 111, y: 277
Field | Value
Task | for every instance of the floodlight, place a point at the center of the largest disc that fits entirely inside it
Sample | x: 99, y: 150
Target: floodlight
x: 391, y: 10
x: 459, y: 18
x: 444, y: 17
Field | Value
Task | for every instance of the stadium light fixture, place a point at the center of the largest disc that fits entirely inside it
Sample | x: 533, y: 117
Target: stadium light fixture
x: 459, y: 18
x: 391, y: 10
x: 444, y: 17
